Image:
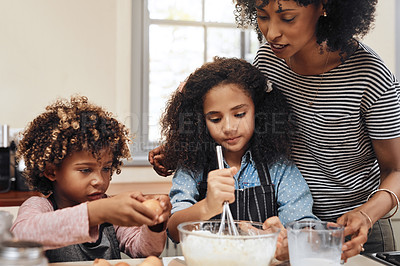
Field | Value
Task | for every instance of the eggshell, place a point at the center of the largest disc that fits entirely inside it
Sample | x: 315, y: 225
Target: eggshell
x: 101, y: 262
x: 154, y: 205
x: 151, y: 261
x: 122, y: 264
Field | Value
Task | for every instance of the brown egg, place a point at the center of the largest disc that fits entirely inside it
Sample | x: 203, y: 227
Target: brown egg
x: 154, y: 205
x: 151, y: 261
x: 122, y: 264
x: 101, y: 262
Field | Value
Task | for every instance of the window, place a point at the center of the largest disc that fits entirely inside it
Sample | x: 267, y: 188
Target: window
x: 177, y: 36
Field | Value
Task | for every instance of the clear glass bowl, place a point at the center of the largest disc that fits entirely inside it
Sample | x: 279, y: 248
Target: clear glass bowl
x: 202, y: 245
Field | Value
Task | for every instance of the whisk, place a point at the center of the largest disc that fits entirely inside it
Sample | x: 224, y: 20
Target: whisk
x: 226, y: 212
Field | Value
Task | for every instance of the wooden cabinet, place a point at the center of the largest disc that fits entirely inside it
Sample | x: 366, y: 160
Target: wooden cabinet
x: 16, y: 198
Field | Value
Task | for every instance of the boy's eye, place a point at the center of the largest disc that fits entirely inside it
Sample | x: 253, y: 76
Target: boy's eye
x: 240, y: 114
x: 85, y: 170
x: 107, y: 169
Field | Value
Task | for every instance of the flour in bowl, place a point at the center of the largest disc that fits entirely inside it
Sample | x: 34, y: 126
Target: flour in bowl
x: 200, y: 250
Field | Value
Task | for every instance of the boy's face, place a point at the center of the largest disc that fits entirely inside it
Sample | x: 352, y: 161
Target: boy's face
x: 81, y: 178
x: 229, y: 114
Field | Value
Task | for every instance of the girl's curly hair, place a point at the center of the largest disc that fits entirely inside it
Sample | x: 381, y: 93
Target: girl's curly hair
x: 345, y: 20
x: 188, y: 143
x: 66, y: 127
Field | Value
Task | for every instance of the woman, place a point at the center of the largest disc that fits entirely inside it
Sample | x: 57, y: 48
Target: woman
x: 345, y: 105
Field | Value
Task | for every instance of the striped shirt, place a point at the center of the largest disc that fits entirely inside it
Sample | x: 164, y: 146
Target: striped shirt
x: 353, y: 103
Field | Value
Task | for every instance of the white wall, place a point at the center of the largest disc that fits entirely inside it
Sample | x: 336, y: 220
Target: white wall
x: 54, y: 48
x: 51, y: 49
x: 382, y: 38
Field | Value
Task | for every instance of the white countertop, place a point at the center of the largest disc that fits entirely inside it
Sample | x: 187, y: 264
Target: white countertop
x: 179, y: 261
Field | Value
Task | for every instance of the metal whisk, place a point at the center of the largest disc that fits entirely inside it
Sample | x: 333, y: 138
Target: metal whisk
x: 226, y: 212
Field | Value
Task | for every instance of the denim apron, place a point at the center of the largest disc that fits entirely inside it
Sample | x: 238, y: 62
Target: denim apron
x: 106, y: 246
x: 254, y: 204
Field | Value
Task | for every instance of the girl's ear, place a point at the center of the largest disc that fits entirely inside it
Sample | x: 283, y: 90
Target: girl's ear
x: 50, y: 172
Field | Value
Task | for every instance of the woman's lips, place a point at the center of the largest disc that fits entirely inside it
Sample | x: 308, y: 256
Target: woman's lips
x: 278, y: 48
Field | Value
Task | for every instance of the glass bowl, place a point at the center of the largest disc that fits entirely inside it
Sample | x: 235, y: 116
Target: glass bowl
x: 202, y: 245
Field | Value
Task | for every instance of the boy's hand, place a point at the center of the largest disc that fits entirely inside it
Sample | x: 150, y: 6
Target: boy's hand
x: 125, y: 209
x: 166, y: 206
x: 282, y: 250
x: 220, y: 188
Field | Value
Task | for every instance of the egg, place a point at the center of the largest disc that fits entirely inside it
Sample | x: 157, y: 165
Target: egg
x: 151, y: 261
x: 154, y: 205
x: 101, y: 262
x: 122, y: 264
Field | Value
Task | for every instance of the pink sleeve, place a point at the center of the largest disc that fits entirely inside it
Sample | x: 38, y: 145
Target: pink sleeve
x: 140, y: 241
x: 37, y: 221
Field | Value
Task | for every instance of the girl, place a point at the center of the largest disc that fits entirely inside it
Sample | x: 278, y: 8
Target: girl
x: 228, y: 102
x: 71, y: 151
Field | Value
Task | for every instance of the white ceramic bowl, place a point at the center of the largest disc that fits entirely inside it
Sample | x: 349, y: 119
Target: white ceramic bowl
x: 202, y: 245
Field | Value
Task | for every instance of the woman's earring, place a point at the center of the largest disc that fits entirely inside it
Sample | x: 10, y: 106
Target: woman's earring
x: 324, y: 14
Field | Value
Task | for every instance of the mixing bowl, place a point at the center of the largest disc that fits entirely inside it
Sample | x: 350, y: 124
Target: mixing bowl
x: 202, y: 245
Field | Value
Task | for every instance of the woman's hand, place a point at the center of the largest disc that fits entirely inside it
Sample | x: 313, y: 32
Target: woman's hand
x: 282, y: 250
x: 220, y: 188
x: 356, y: 225
x: 125, y: 209
x: 156, y: 158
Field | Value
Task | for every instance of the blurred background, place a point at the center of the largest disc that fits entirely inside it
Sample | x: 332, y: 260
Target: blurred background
x: 128, y: 56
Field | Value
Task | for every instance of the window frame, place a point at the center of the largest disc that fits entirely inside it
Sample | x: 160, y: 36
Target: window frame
x: 141, y: 22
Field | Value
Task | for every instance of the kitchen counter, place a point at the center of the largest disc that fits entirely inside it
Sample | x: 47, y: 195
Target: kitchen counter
x: 144, y: 187
x: 179, y: 261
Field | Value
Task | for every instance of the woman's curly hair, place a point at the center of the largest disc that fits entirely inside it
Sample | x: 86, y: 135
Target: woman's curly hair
x: 345, y: 20
x: 188, y: 143
x: 66, y: 127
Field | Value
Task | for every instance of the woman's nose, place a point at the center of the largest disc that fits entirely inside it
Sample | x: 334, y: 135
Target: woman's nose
x: 273, y: 32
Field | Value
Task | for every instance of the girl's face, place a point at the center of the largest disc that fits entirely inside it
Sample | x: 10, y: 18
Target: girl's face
x: 81, y: 178
x: 229, y: 114
x: 291, y: 29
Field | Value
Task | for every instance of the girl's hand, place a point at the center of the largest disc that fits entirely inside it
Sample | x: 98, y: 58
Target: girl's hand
x: 156, y: 158
x: 125, y: 209
x: 282, y: 250
x: 220, y: 188
x: 356, y: 225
